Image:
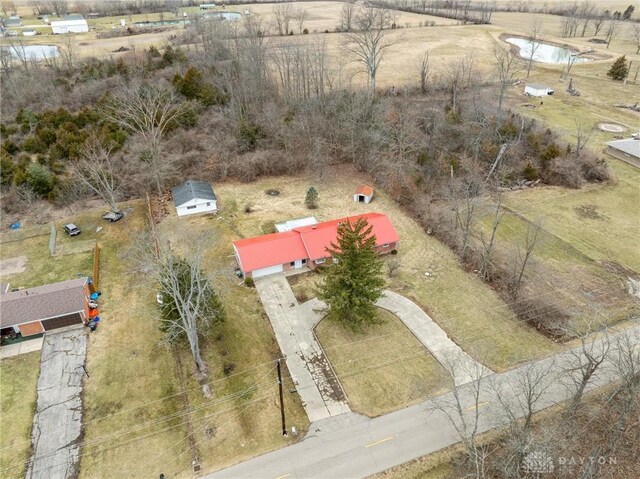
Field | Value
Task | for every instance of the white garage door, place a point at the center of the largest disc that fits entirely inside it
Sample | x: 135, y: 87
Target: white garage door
x: 265, y: 271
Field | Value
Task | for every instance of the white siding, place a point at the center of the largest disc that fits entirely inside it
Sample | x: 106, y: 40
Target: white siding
x: 268, y: 270
x: 70, y: 26
x: 196, y: 206
x: 367, y: 199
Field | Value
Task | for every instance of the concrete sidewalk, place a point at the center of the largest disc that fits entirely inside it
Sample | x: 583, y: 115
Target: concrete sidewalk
x: 58, y: 418
x: 432, y: 336
x: 293, y: 324
x: 21, y: 348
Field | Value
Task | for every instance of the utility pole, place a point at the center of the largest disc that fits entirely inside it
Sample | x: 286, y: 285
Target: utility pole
x: 284, y: 427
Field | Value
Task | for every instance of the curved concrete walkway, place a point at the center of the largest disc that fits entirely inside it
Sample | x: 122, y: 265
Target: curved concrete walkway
x: 432, y: 336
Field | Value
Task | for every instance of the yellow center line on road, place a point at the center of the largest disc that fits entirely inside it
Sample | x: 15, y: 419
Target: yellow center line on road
x: 380, y: 441
x: 471, y: 408
x: 282, y: 477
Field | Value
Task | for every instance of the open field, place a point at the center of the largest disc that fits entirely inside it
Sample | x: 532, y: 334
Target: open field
x: 382, y: 369
x: 18, y: 378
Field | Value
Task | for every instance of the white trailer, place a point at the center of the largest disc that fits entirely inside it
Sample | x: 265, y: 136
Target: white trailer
x: 537, y: 90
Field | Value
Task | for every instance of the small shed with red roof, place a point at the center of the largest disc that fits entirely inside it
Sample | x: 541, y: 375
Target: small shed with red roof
x: 304, y: 246
x: 363, y: 194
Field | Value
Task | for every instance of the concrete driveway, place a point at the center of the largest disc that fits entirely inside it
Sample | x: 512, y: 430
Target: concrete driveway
x: 57, y: 422
x: 318, y: 387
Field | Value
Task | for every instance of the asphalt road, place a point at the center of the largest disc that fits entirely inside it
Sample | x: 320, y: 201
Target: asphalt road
x: 353, y: 446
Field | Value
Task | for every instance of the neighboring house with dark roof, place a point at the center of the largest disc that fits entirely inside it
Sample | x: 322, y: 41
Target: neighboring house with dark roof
x: 305, y: 245
x: 626, y: 150
x: 13, y: 22
x: 194, y: 197
x: 44, y: 308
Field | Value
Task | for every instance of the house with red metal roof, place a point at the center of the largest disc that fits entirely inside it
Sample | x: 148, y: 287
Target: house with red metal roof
x: 304, y: 246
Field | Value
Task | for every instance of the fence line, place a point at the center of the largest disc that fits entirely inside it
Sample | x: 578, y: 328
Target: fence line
x: 52, y: 240
x: 96, y: 264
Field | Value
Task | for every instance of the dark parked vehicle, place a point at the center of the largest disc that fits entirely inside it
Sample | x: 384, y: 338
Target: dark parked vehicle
x: 71, y: 229
x: 113, y: 216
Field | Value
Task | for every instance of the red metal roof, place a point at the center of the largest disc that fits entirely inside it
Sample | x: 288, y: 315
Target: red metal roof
x: 308, y: 242
x: 268, y: 250
x: 365, y: 190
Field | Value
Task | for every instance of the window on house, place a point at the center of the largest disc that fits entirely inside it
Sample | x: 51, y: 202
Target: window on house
x: 208, y: 204
x: 293, y: 263
x: 304, y: 261
x: 386, y: 245
x: 192, y: 207
x: 320, y: 261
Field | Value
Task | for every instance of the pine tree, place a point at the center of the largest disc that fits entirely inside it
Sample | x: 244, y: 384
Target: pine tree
x: 354, y: 282
x: 311, y: 200
x: 619, y: 69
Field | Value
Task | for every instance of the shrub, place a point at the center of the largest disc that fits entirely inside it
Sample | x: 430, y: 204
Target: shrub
x: 248, y: 281
x: 228, y: 368
x: 6, y: 168
x: 530, y: 172
x: 39, y: 179
x: 619, y: 69
x: 595, y: 170
x: 305, y: 32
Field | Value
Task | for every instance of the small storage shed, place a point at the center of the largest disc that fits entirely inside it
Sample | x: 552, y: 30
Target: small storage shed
x: 194, y: 197
x: 363, y: 194
x: 69, y: 26
x: 44, y: 308
x: 537, y: 90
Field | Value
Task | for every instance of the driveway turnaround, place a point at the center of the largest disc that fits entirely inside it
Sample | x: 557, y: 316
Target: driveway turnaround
x: 55, y: 435
x: 448, y: 353
x: 318, y: 387
x: 353, y: 446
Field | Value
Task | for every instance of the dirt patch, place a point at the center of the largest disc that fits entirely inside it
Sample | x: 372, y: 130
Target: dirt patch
x: 589, y: 212
x: 13, y: 265
x: 612, y: 127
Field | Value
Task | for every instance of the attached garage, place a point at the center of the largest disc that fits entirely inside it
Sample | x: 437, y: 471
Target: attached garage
x: 278, y: 268
x: 62, y: 321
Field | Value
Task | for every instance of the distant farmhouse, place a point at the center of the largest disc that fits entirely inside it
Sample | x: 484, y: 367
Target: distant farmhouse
x: 626, y: 150
x: 44, y: 308
x: 70, y: 24
x: 304, y: 246
x: 194, y: 197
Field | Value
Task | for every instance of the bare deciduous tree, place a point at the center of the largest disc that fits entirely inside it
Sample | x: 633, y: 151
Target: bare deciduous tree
x: 368, y: 43
x: 300, y: 16
x: 507, y: 68
x: 612, y: 31
x: 463, y: 408
x: 8, y: 7
x: 598, y: 22
x: 424, y: 72
x: 522, y: 256
x: 148, y: 111
x: 346, y: 16
x: 634, y: 34
x: 519, y: 401
x: 190, y: 303
x: 586, y: 360
x: 95, y: 171
x: 535, y: 37
x: 68, y: 52
x: 282, y: 14
x: 488, y: 244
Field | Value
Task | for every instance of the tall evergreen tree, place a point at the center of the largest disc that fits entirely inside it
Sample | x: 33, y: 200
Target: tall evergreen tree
x: 619, y: 69
x: 311, y: 200
x: 354, y: 282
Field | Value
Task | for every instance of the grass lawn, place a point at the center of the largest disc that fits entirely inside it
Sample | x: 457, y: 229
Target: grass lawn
x: 467, y: 309
x: 382, y: 369
x: 559, y: 274
x: 609, y: 235
x: 18, y: 378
